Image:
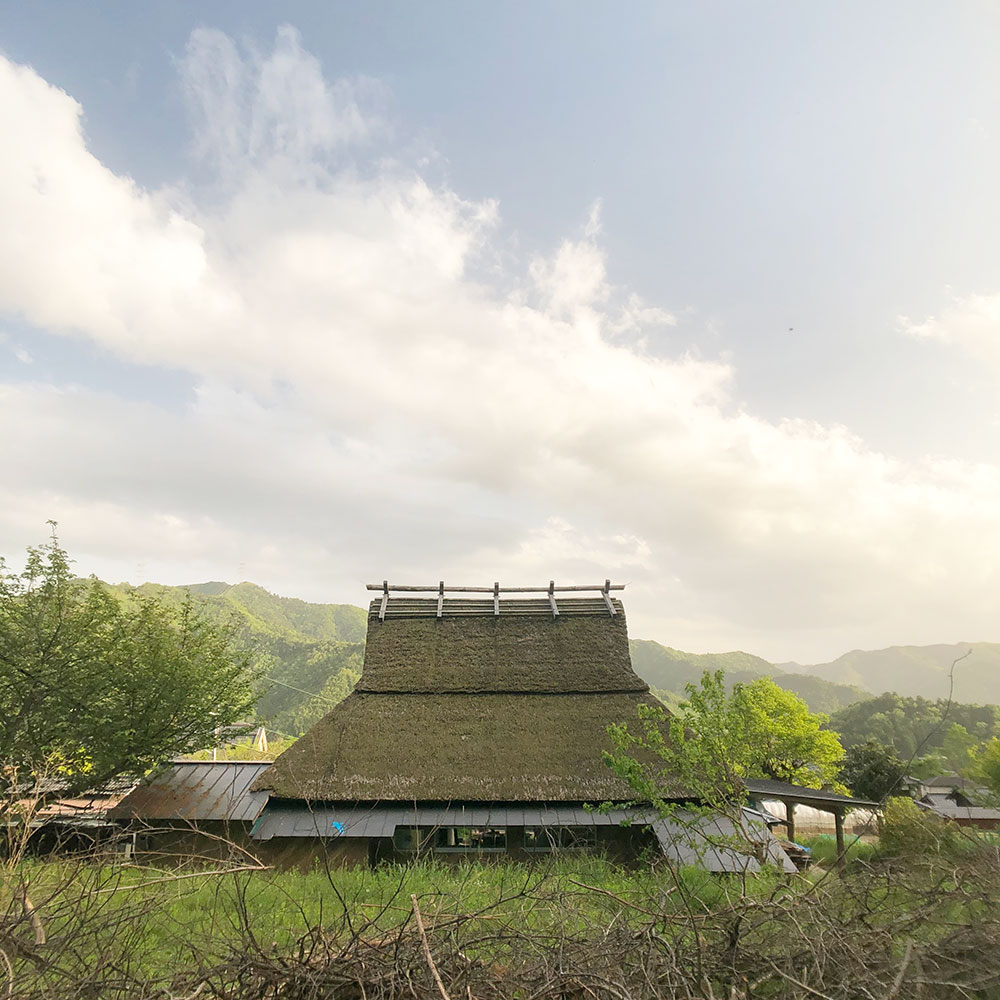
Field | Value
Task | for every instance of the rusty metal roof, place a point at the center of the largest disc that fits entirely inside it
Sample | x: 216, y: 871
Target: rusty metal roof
x: 197, y: 790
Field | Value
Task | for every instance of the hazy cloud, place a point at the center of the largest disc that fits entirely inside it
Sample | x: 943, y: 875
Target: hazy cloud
x: 369, y: 404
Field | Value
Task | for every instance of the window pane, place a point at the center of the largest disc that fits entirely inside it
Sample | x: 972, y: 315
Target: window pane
x: 469, y: 838
x: 405, y: 838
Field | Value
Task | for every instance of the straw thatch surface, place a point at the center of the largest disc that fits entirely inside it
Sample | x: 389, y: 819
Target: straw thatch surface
x: 443, y: 747
x: 478, y: 653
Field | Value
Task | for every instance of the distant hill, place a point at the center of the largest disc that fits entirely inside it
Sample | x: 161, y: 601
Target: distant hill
x: 668, y: 670
x: 821, y: 695
x: 264, y: 614
x: 917, y: 671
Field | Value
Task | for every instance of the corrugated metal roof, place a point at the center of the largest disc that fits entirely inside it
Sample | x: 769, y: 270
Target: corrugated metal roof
x: 947, y: 807
x: 947, y: 781
x: 115, y: 787
x: 766, y: 788
x: 381, y: 821
x: 197, y: 790
x: 709, y: 842
x: 715, y: 844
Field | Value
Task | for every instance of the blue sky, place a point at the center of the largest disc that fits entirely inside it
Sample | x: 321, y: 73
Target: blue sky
x: 705, y: 297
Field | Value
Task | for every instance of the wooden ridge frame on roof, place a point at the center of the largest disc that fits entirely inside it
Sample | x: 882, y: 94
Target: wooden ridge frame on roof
x: 420, y: 606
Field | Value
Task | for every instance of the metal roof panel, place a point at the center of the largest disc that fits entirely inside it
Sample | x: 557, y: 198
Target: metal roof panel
x: 197, y: 790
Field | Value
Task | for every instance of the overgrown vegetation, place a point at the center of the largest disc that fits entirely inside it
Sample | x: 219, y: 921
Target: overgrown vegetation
x: 577, y: 928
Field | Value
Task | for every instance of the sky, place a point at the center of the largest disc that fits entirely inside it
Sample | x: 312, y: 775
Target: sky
x: 701, y: 297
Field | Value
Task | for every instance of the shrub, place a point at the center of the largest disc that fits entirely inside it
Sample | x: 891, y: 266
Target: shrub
x: 908, y: 831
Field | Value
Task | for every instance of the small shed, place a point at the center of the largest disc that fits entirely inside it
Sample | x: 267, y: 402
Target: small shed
x: 59, y: 821
x: 763, y: 792
x: 193, y: 809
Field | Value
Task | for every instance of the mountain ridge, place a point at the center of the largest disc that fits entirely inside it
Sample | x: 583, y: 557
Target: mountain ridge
x: 918, y: 671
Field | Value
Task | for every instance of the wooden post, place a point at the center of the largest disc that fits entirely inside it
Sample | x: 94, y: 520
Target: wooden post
x: 790, y: 820
x: 838, y: 817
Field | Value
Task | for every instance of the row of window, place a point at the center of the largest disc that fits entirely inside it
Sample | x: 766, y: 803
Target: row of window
x: 485, y: 839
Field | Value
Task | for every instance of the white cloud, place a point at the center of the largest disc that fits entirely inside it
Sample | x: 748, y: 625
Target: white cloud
x: 970, y: 322
x: 369, y: 403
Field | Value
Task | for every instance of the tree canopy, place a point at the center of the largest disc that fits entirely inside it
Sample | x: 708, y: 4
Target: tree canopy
x: 93, y: 685
x: 872, y: 771
x: 914, y: 726
x: 715, y: 739
x: 988, y: 765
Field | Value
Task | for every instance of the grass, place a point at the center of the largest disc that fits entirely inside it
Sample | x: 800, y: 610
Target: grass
x: 823, y: 847
x: 208, y: 916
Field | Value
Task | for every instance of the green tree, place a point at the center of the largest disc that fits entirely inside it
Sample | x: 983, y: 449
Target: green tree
x: 872, y: 770
x: 988, y: 764
x: 784, y: 740
x: 959, y: 747
x: 715, y: 739
x: 99, y: 686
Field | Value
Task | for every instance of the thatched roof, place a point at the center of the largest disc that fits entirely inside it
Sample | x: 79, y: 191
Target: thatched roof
x: 445, y: 747
x: 477, y: 707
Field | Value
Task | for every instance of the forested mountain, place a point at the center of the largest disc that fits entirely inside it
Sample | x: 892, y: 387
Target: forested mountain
x: 917, y: 671
x: 670, y: 669
x: 265, y: 615
x: 820, y: 695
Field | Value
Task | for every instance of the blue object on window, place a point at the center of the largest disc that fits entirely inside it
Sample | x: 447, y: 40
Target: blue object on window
x: 337, y: 827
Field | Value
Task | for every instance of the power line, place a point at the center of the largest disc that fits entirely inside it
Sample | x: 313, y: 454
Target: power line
x: 292, y: 687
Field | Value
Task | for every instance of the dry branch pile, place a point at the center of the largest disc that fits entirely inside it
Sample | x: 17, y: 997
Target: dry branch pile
x: 881, y: 932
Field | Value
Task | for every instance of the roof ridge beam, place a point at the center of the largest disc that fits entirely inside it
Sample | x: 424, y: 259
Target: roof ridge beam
x: 386, y: 588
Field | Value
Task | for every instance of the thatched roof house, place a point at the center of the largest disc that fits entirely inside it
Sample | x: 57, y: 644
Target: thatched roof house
x: 476, y: 725
x: 474, y: 706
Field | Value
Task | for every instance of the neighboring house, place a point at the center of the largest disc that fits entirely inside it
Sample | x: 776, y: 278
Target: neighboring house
x: 957, y: 799
x: 76, y: 822
x: 193, y: 809
x: 477, y: 728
